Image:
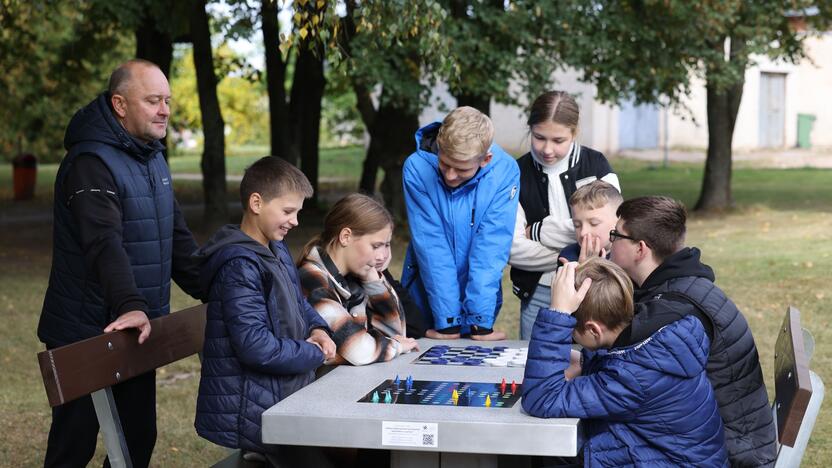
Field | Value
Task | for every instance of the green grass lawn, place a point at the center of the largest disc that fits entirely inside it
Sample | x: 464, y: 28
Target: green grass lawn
x: 772, y: 251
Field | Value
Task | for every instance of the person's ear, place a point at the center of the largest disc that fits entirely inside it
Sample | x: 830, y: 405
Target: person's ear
x: 486, y: 159
x: 643, y: 251
x: 594, y: 330
x: 255, y: 203
x: 119, y: 104
x: 345, y: 237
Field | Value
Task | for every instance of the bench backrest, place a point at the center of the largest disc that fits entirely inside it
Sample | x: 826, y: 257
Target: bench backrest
x: 792, y: 383
x: 81, y: 368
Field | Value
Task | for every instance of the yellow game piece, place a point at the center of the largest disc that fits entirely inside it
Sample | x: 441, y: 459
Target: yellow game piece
x: 455, y: 396
x: 488, y: 400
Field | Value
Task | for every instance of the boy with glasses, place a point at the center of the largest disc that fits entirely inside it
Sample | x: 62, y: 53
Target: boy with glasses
x: 648, y: 242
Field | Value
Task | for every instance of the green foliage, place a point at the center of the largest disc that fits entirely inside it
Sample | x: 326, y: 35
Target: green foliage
x: 245, y: 107
x: 55, y: 57
x: 651, y: 49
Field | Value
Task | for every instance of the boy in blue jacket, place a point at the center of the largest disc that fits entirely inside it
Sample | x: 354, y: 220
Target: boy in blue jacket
x: 461, y: 193
x: 263, y: 341
x: 644, y: 404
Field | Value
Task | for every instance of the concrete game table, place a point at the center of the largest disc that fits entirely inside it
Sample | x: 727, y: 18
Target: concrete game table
x: 327, y: 413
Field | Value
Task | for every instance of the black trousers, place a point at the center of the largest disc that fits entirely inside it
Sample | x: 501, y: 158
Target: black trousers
x: 74, y: 430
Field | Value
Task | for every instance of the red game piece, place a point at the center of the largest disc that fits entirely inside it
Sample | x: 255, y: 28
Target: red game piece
x: 503, y: 386
x: 513, y: 387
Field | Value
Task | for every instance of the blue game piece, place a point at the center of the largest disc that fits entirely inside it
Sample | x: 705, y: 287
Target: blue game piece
x: 439, y: 361
x: 408, y: 384
x: 485, y: 350
x: 472, y: 362
x: 500, y: 348
x: 396, y: 380
x: 472, y: 348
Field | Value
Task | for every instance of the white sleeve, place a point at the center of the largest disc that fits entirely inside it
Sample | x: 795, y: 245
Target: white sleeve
x: 554, y: 232
x: 527, y: 254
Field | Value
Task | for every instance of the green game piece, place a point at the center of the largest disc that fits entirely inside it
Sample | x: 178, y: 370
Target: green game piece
x: 375, y: 397
x: 388, y: 398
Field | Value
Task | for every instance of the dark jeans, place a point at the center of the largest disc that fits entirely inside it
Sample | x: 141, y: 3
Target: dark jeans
x: 74, y: 430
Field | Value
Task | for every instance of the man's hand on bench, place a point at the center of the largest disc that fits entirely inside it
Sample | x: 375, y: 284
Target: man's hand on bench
x: 133, y: 319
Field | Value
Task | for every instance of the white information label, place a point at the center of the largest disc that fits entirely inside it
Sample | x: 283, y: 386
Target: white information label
x: 409, y: 434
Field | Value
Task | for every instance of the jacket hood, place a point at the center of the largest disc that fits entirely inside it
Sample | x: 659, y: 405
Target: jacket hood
x: 95, y: 123
x: 213, y: 255
x: 683, y: 263
x: 680, y: 349
x: 428, y: 149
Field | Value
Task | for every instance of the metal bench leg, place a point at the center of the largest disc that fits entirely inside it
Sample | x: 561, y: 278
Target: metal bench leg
x: 110, y: 424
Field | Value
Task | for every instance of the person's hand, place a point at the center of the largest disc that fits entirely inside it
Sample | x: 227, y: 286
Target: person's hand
x: 574, y: 369
x: 380, y: 267
x: 324, y: 342
x: 431, y: 333
x: 564, y: 296
x: 528, y: 232
x: 133, y: 319
x: 493, y: 336
x: 406, y: 344
x: 591, y: 246
x: 368, y: 274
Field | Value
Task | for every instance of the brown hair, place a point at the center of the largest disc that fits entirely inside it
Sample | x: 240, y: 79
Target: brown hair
x: 555, y: 106
x: 121, y: 76
x: 610, y: 296
x: 658, y: 221
x: 595, y: 195
x: 465, y: 133
x: 272, y: 177
x: 362, y: 214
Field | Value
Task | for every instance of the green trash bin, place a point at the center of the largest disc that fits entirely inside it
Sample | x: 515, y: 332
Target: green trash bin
x: 804, y: 130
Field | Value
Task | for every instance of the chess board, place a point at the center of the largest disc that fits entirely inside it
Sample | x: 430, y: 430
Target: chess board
x: 432, y: 392
x: 497, y: 356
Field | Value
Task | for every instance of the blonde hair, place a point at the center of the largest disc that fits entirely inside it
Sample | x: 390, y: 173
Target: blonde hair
x: 596, y: 195
x: 610, y: 297
x: 362, y: 214
x: 465, y: 133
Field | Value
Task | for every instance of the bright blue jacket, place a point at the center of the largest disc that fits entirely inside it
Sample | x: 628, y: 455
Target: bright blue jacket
x: 460, y: 237
x: 649, y: 404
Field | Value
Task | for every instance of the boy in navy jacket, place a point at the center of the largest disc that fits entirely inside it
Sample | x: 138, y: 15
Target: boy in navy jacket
x: 644, y: 404
x: 263, y: 341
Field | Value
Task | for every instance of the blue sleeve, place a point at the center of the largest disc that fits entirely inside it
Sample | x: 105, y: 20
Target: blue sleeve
x: 490, y: 249
x: 571, y: 252
x: 310, y: 316
x: 434, y: 256
x: 610, y: 393
x: 244, y: 313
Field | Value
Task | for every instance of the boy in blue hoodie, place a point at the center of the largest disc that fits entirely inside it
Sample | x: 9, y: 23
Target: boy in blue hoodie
x: 461, y: 196
x: 263, y: 341
x: 644, y: 404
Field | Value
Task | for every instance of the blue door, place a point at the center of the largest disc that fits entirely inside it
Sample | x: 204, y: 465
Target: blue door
x: 638, y: 126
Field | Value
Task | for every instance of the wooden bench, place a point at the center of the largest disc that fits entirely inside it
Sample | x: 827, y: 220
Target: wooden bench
x: 798, y: 392
x: 93, y: 366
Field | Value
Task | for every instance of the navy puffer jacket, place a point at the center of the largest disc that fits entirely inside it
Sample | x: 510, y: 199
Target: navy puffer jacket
x: 650, y: 404
x: 255, y: 353
x: 733, y: 365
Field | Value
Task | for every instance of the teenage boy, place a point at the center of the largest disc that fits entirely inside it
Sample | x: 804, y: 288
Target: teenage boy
x: 461, y: 196
x: 649, y: 244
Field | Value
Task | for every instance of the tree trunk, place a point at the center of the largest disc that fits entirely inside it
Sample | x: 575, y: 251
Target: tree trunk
x: 305, y: 110
x: 723, y: 107
x: 391, y: 142
x: 275, y: 83
x: 156, y: 46
x: 213, y: 127
x: 481, y: 103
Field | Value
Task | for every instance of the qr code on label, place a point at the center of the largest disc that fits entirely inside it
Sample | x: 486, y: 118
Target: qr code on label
x: 427, y: 440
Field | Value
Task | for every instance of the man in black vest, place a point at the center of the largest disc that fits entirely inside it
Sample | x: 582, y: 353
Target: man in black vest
x: 649, y: 244
x: 119, y: 238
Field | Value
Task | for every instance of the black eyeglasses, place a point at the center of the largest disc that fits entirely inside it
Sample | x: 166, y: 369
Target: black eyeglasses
x: 614, y: 235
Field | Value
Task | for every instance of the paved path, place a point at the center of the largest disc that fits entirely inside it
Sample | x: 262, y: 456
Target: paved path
x: 778, y: 159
